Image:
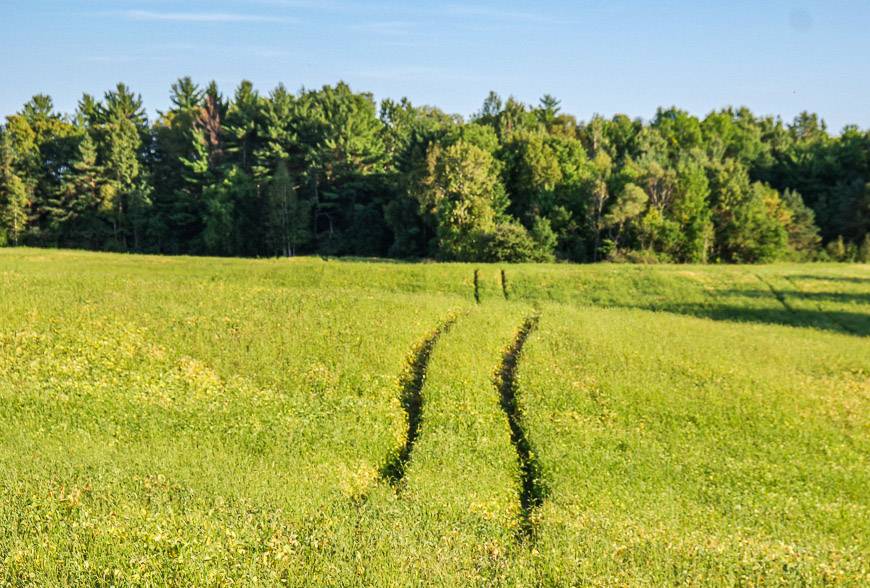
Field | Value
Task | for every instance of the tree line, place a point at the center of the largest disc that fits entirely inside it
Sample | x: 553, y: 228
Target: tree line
x: 333, y: 172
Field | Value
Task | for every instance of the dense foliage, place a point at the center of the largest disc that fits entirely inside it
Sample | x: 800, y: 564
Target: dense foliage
x: 330, y: 171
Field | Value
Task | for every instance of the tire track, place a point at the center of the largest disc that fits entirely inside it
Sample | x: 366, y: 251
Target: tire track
x: 832, y: 320
x: 411, y: 398
x: 532, y: 488
x: 776, y: 293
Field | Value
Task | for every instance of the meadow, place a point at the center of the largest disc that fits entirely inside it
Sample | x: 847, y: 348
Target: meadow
x: 226, y: 422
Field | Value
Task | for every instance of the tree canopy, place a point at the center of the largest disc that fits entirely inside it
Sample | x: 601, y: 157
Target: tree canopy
x: 333, y: 172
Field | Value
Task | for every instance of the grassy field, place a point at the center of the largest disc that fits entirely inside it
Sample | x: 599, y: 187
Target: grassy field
x: 181, y: 421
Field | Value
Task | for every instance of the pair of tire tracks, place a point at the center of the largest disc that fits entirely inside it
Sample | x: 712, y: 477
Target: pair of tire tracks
x: 504, y: 286
x: 532, y: 490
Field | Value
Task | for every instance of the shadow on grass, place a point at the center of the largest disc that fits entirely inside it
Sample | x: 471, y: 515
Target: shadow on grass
x: 821, y: 278
x: 377, y: 260
x: 838, y: 297
x: 850, y: 323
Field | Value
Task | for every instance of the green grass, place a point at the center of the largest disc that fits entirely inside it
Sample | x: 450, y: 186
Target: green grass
x: 182, y: 421
x: 679, y: 455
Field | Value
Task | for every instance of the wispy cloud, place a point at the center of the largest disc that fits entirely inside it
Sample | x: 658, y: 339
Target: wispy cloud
x: 311, y: 4
x: 201, y: 17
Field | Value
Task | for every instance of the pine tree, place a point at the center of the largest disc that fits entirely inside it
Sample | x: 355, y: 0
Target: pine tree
x: 80, y: 207
x: 120, y: 128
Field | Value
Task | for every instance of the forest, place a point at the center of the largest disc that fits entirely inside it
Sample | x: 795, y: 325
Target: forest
x: 334, y: 172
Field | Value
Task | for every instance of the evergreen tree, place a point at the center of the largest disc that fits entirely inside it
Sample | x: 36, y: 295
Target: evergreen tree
x: 85, y: 198
x: 120, y: 128
x: 803, y: 234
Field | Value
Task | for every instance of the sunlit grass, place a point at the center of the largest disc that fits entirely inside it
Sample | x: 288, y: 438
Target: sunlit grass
x: 214, y: 422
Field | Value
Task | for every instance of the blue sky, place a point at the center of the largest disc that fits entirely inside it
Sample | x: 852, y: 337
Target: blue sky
x: 597, y: 56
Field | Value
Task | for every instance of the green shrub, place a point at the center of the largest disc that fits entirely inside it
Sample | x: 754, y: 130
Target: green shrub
x: 511, y: 242
x: 864, y: 250
x: 837, y: 249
